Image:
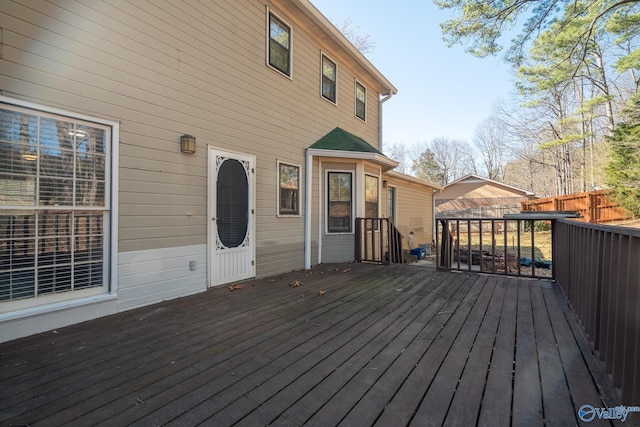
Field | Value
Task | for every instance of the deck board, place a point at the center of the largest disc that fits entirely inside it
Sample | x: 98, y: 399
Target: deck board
x: 465, y: 406
x: 527, y: 394
x: 399, y: 345
x: 498, y: 393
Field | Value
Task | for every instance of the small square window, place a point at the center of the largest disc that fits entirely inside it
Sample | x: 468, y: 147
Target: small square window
x: 329, y: 79
x: 361, y: 101
x: 288, y: 190
x: 279, y: 45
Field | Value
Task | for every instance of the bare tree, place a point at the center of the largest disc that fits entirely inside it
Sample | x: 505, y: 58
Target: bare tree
x: 398, y: 152
x: 443, y: 160
x: 363, y: 43
x: 489, y: 141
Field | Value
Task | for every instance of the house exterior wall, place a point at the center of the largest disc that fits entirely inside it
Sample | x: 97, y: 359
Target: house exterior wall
x: 477, y: 194
x: 414, y: 212
x: 476, y: 190
x: 163, y: 70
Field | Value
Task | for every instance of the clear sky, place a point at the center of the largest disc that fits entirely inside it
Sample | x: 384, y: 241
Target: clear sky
x: 442, y: 92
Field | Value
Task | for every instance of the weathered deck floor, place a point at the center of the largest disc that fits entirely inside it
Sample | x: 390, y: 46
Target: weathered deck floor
x: 386, y: 346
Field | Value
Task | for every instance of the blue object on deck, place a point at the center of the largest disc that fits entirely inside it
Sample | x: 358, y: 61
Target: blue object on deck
x: 543, y: 264
x: 525, y: 261
x: 419, y: 252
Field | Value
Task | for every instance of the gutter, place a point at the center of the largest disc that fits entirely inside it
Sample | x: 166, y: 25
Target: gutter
x: 380, y: 102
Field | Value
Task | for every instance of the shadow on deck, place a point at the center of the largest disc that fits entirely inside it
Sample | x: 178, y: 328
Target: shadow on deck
x: 354, y: 344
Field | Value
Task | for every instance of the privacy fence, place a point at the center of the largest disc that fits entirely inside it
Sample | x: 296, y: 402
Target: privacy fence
x: 594, y: 207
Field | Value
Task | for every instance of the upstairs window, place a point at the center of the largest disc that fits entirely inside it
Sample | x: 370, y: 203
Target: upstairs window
x: 329, y: 79
x: 288, y: 190
x: 361, y: 101
x: 279, y: 45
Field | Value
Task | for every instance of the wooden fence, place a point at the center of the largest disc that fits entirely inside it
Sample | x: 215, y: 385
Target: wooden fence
x: 594, y: 207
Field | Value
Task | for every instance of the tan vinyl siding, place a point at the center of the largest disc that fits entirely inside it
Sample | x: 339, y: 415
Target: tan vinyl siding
x: 175, y: 68
x: 478, y: 190
x: 414, y: 210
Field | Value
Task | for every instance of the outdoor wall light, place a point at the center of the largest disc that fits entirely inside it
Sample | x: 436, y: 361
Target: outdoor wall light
x: 188, y: 144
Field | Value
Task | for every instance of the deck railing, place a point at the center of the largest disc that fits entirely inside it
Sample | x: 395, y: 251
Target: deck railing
x: 378, y: 240
x: 515, y: 247
x: 598, y: 268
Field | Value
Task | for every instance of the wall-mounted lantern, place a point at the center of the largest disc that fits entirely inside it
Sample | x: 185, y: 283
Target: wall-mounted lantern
x: 188, y: 144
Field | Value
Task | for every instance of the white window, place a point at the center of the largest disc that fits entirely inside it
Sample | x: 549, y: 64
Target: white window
x: 279, y: 45
x: 361, y: 101
x: 329, y: 79
x: 54, y: 206
x: 339, y: 206
x: 288, y: 189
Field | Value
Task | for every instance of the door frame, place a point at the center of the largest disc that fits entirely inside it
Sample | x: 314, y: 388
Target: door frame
x: 211, y: 225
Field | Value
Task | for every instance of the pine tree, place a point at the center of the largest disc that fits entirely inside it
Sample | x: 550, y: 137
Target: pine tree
x: 623, y: 170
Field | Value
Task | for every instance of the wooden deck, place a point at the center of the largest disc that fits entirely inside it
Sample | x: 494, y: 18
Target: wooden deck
x: 387, y: 346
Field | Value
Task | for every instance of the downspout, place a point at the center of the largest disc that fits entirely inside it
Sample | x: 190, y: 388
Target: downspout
x: 382, y: 101
x: 307, y: 212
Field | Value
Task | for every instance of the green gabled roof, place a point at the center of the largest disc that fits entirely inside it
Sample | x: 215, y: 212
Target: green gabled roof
x: 342, y: 140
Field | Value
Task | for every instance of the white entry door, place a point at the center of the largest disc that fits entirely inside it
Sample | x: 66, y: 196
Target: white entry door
x: 232, y: 222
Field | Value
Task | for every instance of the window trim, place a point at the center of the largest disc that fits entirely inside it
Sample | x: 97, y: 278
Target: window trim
x: 352, y: 173
x: 355, y: 100
x: 278, y: 188
x: 324, y: 56
x: 109, y: 289
x: 271, y: 13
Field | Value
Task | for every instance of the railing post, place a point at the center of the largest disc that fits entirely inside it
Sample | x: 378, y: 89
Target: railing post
x: 554, y: 245
x: 358, y: 245
x: 445, y: 253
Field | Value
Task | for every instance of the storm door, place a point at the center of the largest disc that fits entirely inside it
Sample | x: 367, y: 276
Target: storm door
x: 232, y: 217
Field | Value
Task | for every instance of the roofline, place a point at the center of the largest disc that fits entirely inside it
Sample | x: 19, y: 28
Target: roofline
x: 373, y: 157
x: 471, y: 175
x: 413, y: 179
x: 316, y: 16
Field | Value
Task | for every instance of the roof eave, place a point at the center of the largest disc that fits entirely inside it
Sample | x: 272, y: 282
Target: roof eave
x: 483, y: 179
x: 316, y: 16
x: 413, y: 179
x: 385, y: 162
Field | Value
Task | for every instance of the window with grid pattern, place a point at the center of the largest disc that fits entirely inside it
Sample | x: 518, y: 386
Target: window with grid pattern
x: 289, y: 190
x: 329, y: 79
x: 279, y: 45
x: 54, y: 204
x: 339, y: 205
